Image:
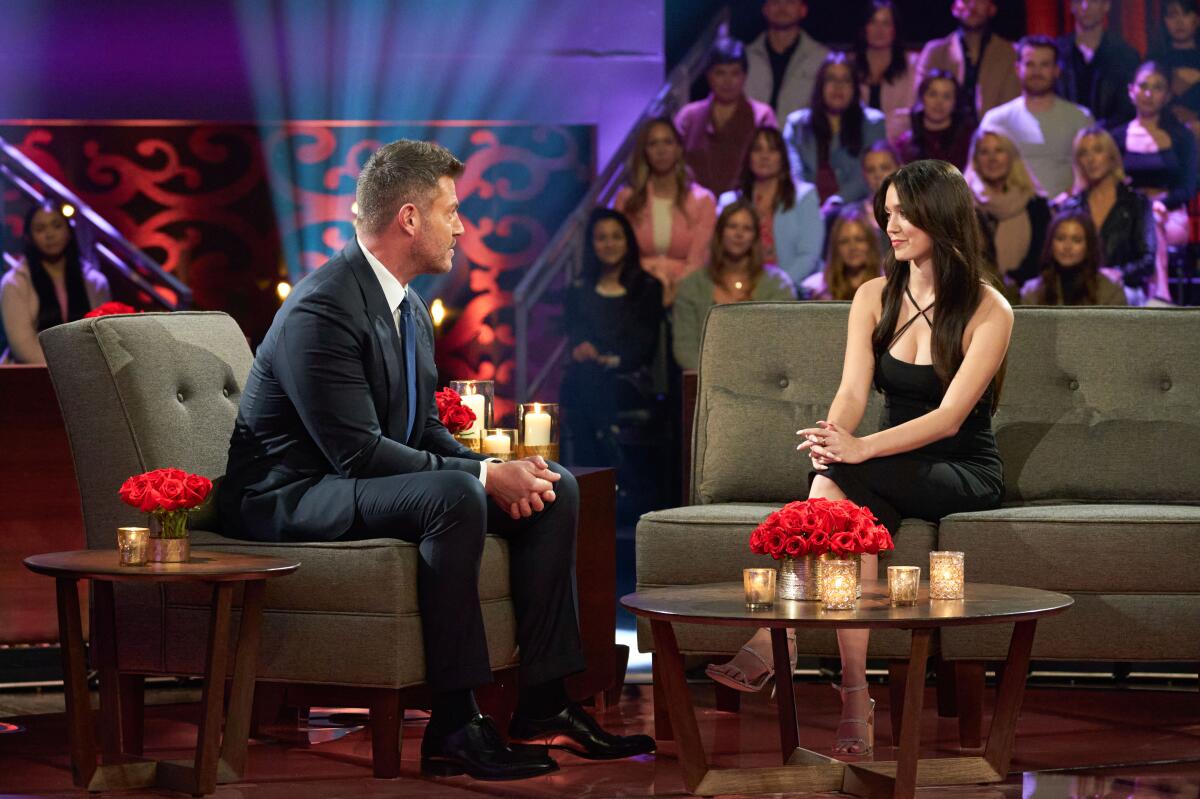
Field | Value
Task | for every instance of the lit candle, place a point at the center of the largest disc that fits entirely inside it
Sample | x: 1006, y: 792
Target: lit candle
x: 902, y: 584
x: 537, y: 427
x: 839, y: 586
x: 759, y: 585
x: 477, y: 403
x: 132, y: 543
x: 497, y: 444
x: 945, y: 575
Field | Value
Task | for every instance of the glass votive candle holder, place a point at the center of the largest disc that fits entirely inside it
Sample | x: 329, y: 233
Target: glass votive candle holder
x: 538, y: 423
x: 500, y: 442
x: 903, y: 582
x: 945, y: 575
x: 759, y: 585
x: 133, y: 544
x: 839, y: 584
x: 478, y: 396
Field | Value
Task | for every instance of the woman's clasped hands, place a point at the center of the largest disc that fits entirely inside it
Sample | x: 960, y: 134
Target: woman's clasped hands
x: 830, y: 443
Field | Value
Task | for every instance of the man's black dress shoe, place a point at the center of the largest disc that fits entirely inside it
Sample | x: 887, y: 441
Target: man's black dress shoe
x: 572, y: 730
x: 477, y: 750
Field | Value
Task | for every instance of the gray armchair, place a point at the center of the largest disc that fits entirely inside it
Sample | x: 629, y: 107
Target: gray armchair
x: 153, y: 390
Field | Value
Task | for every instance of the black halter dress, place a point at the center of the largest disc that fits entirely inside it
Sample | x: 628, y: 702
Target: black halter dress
x: 954, y: 475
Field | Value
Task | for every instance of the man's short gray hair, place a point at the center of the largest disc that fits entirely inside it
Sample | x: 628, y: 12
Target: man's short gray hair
x: 403, y: 171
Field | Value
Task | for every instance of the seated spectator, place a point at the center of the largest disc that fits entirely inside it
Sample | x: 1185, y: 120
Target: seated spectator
x: 885, y: 69
x: 613, y: 316
x: 735, y: 273
x: 52, y: 284
x: 941, y: 127
x: 982, y: 62
x: 1096, y: 64
x: 672, y: 215
x: 717, y: 129
x: 854, y: 257
x: 1012, y: 202
x: 826, y: 140
x: 1178, y: 52
x: 878, y: 162
x: 792, y: 233
x: 1039, y: 122
x: 1071, y: 267
x: 1123, y: 217
x: 783, y: 60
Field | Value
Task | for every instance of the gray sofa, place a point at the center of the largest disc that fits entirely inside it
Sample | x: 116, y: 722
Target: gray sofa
x: 1099, y: 428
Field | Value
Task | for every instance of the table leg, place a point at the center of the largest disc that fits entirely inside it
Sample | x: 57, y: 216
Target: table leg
x: 910, y: 724
x: 75, y: 690
x: 785, y: 694
x: 1011, y: 692
x: 241, y: 696
x: 104, y: 649
x: 213, y: 695
x: 682, y: 712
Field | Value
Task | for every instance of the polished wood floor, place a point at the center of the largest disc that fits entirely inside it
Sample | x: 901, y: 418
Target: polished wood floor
x: 1086, y: 743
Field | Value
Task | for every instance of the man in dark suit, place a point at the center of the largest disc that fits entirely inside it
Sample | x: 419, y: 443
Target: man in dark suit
x: 337, y: 436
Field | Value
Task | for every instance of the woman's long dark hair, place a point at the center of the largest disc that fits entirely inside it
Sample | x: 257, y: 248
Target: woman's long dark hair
x: 632, y: 275
x: 49, y: 312
x: 785, y: 187
x: 936, y: 199
x: 1164, y: 38
x: 1089, y: 268
x: 851, y: 133
x: 960, y: 116
x: 899, y: 63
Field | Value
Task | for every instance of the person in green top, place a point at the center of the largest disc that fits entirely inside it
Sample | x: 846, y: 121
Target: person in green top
x: 735, y: 273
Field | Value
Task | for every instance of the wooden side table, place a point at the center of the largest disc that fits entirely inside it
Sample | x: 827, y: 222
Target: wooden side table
x: 217, y: 756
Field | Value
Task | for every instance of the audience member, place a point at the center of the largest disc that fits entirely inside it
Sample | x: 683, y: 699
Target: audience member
x: 1039, y: 122
x: 826, y: 140
x: 1013, y: 204
x: 791, y: 231
x: 1122, y: 216
x: 672, y: 215
x: 981, y: 61
x: 885, y: 69
x: 50, y: 286
x: 940, y: 126
x: 735, y: 273
x: 783, y: 61
x: 1178, y: 51
x: 1096, y: 64
x: 613, y: 317
x: 717, y: 129
x: 878, y: 162
x: 1071, y: 266
x: 854, y: 257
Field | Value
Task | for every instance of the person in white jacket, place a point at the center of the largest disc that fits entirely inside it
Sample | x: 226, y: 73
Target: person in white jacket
x: 783, y: 61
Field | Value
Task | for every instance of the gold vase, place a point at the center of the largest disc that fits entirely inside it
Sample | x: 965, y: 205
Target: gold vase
x: 170, y: 550
x: 800, y: 578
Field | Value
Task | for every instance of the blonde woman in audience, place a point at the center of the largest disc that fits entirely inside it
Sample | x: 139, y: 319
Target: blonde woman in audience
x: 736, y: 273
x: 1013, y: 204
x: 1071, y: 266
x: 854, y: 257
x: 672, y: 215
x: 1122, y: 216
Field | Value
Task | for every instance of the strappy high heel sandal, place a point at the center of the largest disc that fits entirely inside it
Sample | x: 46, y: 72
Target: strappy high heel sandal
x: 744, y: 684
x: 847, y: 745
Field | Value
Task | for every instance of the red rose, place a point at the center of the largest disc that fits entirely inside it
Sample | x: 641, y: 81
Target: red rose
x: 458, y: 418
x: 841, y: 515
x: 776, y: 541
x: 109, y: 309
x: 446, y: 398
x: 822, y: 518
x: 818, y: 543
x: 791, y: 519
x: 197, y: 489
x: 866, y: 543
x: 172, y: 493
x: 883, y: 537
x: 842, y: 543
x: 796, y: 547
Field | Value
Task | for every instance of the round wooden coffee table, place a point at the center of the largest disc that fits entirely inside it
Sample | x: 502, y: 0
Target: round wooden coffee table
x: 803, y: 769
x: 217, y: 755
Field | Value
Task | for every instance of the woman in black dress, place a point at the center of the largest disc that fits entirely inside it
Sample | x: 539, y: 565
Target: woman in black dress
x: 932, y: 336
x: 613, y: 316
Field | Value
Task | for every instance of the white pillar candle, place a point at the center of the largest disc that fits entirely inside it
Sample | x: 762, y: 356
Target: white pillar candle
x: 496, y: 444
x: 537, y: 428
x: 475, y: 402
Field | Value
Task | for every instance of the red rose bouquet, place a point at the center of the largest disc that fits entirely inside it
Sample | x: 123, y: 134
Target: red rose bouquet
x: 820, y: 526
x: 454, y: 415
x: 169, y: 494
x: 109, y: 309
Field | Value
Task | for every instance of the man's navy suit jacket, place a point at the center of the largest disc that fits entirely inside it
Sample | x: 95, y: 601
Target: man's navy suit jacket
x: 326, y: 404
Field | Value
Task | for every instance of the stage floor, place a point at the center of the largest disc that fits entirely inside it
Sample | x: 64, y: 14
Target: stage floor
x: 1070, y: 743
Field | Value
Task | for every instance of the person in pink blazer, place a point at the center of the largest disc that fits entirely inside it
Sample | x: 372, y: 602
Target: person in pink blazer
x: 672, y: 215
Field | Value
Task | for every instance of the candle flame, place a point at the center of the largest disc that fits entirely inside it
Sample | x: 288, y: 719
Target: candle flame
x: 537, y: 407
x: 438, y: 311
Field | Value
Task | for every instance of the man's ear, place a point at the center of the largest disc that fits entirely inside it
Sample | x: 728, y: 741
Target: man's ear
x: 409, y: 218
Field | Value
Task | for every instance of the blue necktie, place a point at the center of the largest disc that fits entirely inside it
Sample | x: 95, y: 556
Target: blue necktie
x: 408, y: 335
